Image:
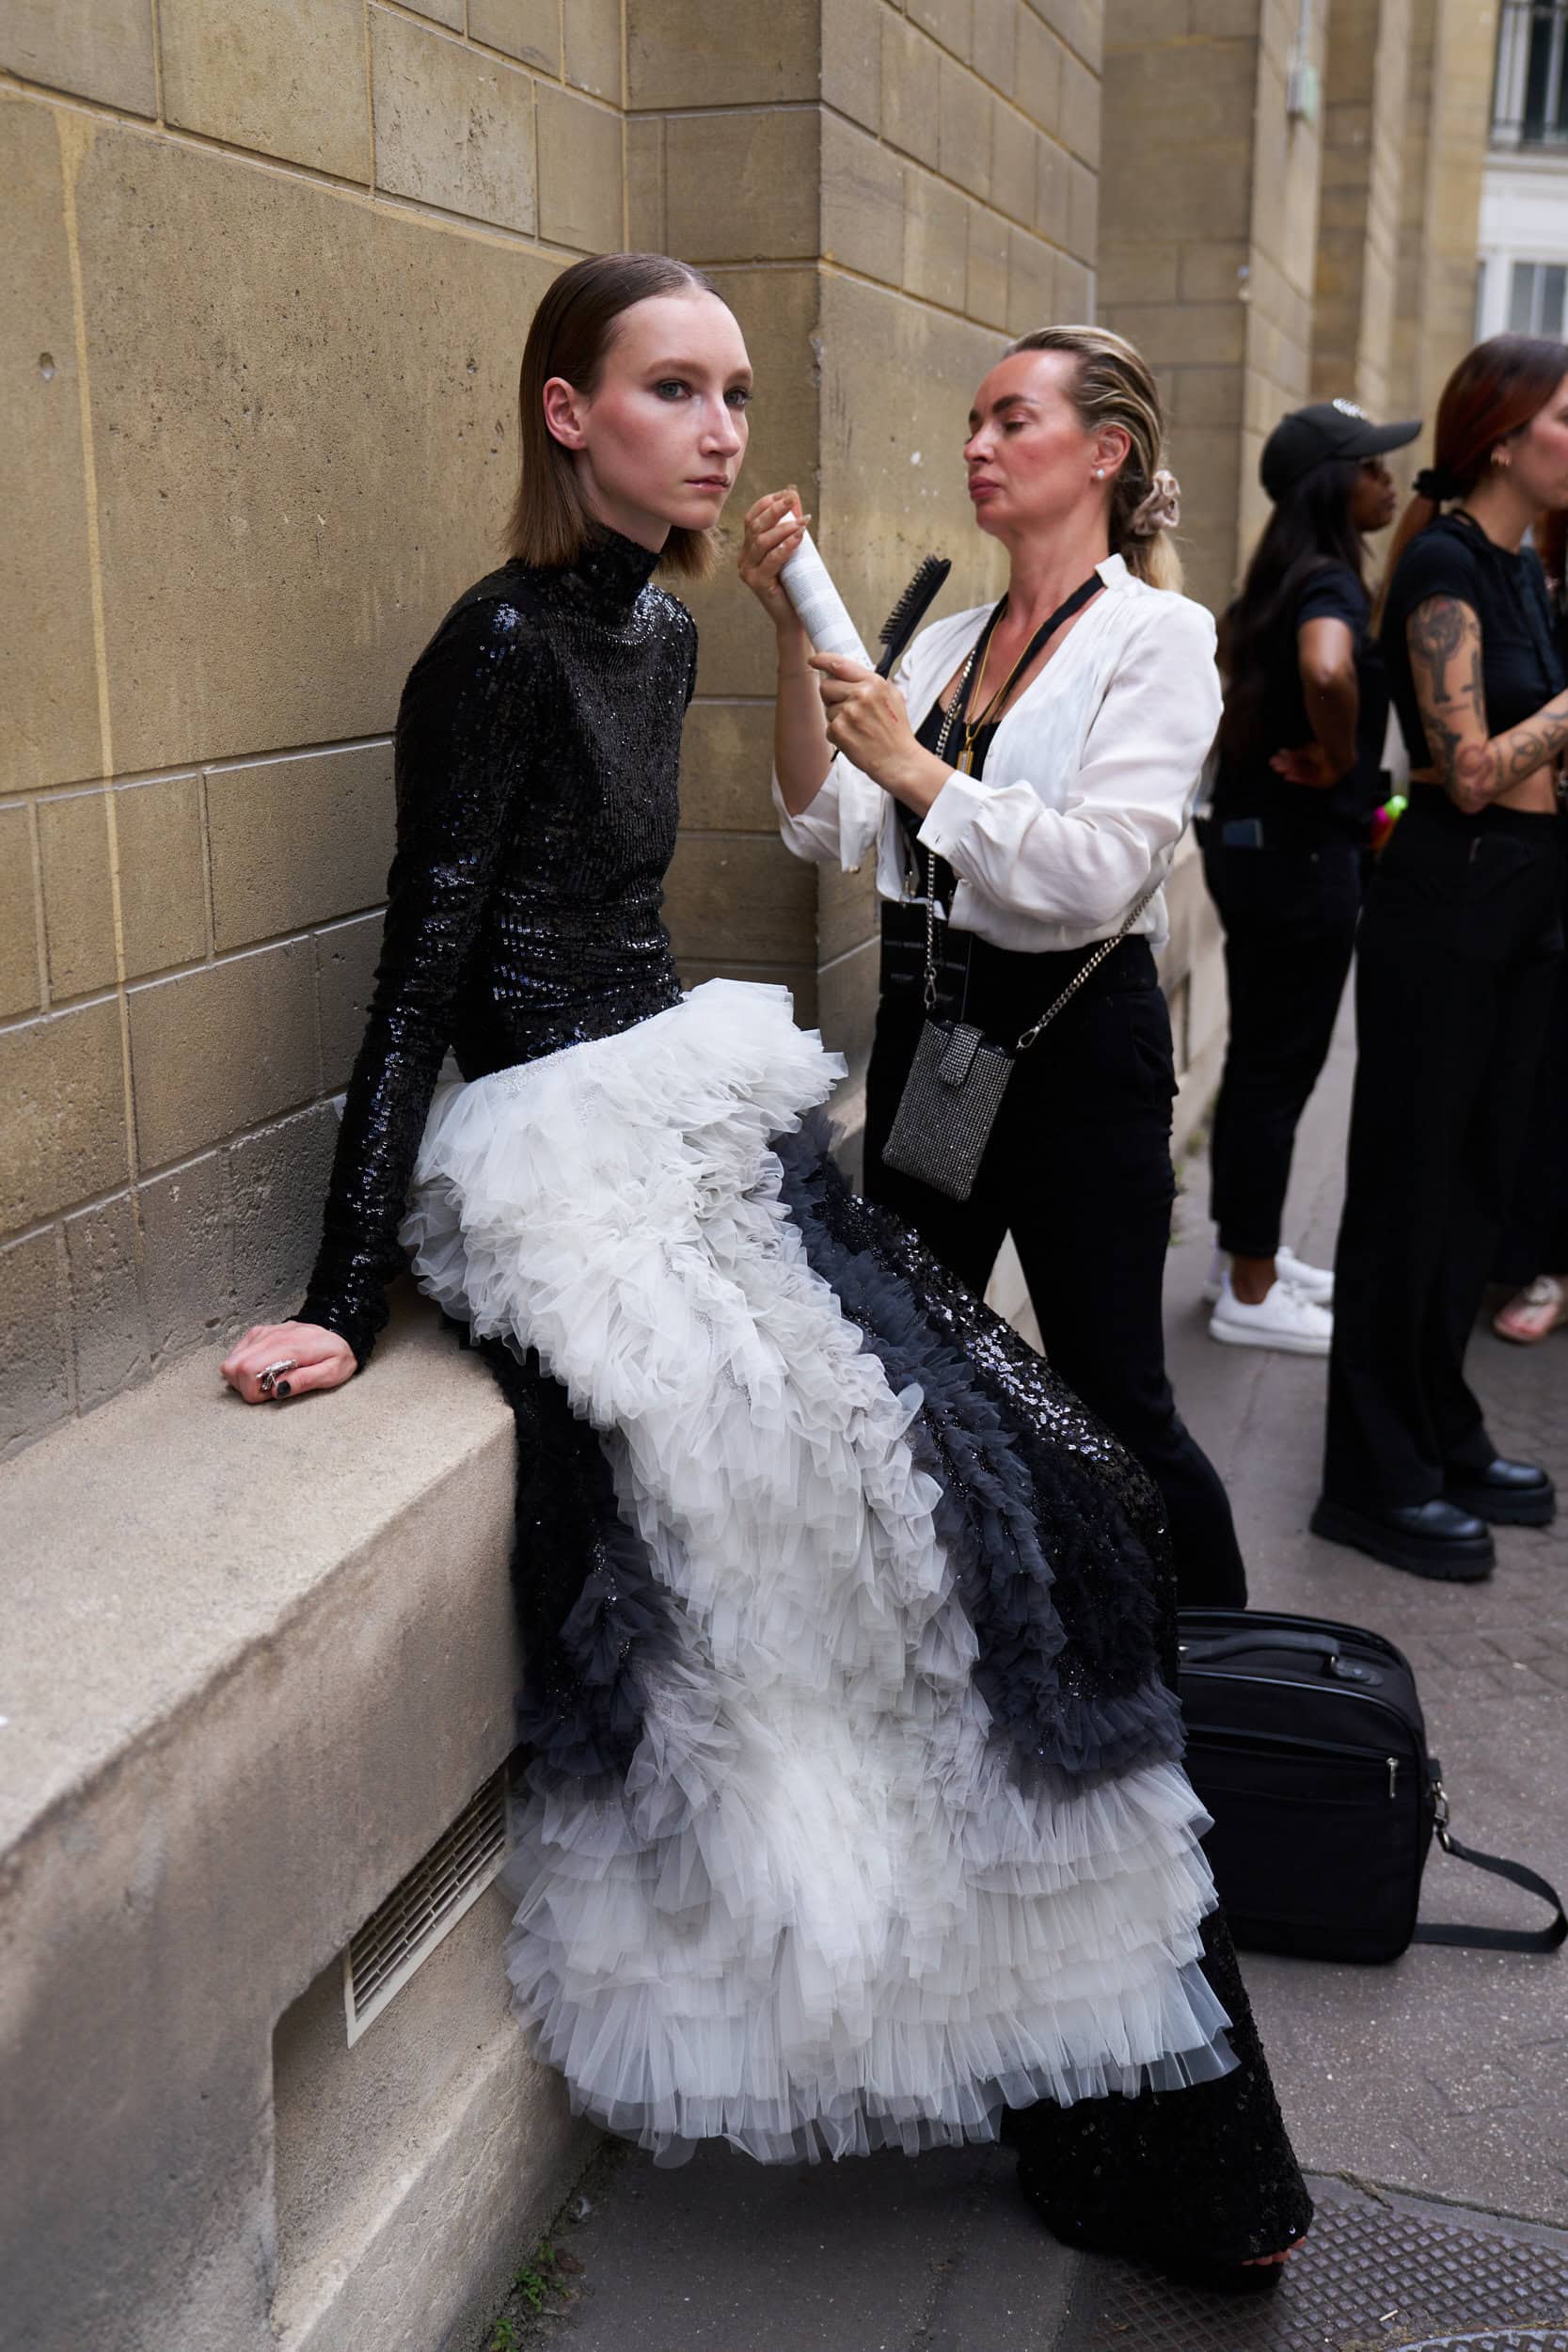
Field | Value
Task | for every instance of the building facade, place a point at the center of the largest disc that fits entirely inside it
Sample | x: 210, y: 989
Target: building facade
x: 267, y: 271
x: 1522, y: 281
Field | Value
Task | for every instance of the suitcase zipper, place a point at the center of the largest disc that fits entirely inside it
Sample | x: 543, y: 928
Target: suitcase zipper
x: 1393, y: 1777
x: 1200, y: 1735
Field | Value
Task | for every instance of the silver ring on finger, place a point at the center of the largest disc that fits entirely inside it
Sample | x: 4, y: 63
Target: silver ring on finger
x: 274, y: 1372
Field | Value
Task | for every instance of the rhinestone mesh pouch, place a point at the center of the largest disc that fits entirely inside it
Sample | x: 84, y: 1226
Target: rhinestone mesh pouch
x: 948, y: 1107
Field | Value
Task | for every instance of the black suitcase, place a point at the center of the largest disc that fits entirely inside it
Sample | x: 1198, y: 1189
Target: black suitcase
x: 1306, y: 1741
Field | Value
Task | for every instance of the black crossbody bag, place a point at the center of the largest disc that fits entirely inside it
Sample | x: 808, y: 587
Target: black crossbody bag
x: 1307, y: 1742
x: 959, y: 1075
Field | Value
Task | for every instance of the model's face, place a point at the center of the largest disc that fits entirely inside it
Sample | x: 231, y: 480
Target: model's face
x: 658, y: 442
x: 1030, y: 461
x: 1537, y: 457
x: 1373, y: 500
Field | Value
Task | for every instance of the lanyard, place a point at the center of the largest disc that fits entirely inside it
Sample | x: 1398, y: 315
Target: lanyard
x: 974, y: 668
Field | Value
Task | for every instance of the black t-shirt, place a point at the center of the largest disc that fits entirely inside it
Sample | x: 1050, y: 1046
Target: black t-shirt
x: 1304, y: 813
x: 1521, y: 664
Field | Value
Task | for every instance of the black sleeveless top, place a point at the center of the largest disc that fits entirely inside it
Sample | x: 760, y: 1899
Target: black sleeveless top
x: 537, y: 758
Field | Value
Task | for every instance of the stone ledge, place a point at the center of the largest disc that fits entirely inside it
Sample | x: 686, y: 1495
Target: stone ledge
x: 256, y: 1662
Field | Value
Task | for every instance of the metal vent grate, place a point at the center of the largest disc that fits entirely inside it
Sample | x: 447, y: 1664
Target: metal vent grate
x: 428, y: 1904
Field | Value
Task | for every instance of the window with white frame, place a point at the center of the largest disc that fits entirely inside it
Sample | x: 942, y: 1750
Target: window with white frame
x: 1529, y: 99
x: 1536, y: 297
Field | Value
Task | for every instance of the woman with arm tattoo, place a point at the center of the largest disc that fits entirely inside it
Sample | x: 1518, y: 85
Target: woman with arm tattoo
x: 1459, y: 952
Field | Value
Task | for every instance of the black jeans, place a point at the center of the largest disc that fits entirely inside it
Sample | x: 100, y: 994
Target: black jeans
x: 1458, y: 955
x: 1289, y: 917
x: 1535, y: 1240
x: 1078, y: 1169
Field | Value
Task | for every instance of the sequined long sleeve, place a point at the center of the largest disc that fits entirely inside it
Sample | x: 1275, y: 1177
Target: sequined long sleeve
x: 462, y: 733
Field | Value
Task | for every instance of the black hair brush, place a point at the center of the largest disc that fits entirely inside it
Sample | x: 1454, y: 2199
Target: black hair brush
x: 911, y: 609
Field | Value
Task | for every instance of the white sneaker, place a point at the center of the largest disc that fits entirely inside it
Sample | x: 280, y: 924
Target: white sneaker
x: 1286, y: 1319
x: 1315, y: 1282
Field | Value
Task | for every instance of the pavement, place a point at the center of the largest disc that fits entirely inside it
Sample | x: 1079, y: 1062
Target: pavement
x: 1428, y: 2099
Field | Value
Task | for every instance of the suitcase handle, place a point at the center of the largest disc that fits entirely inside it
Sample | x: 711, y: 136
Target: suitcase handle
x: 1201, y: 1652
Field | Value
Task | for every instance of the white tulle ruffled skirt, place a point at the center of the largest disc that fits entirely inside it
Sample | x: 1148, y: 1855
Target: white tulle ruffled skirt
x: 830, y: 1899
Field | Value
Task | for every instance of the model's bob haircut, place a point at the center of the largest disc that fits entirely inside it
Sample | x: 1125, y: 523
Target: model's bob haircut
x: 551, y: 520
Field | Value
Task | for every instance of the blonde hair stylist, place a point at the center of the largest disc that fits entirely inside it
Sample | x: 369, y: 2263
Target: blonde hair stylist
x: 1050, y: 811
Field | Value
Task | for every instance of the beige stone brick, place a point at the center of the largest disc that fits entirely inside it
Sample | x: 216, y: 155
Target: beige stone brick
x: 727, y: 759
x: 1083, y: 217
x: 1140, y: 24
x: 109, y: 1318
x: 862, y: 202
x: 235, y: 467
x: 1139, y: 272
x: 1080, y: 110
x: 766, y: 166
x: 184, y: 1266
x: 35, y: 1363
x: 892, y: 476
x: 1075, y: 302
x: 49, y: 731
x: 1207, y: 395
x: 951, y: 21
x: 346, y: 957
x: 78, y: 915
x: 277, y: 1181
x: 448, y: 13
x: 986, y: 275
x: 593, y: 47
x: 1013, y: 173
x: 739, y: 897
x: 529, y: 30
x: 162, y: 878
x: 21, y: 988
x: 644, y: 149
x: 964, y: 128
x: 63, y: 1139
x: 852, y: 59
x: 847, y: 1007
x: 1053, y: 190
x: 453, y: 128
x: 911, y: 77
x: 1215, y: 273
x: 1038, y: 73
x: 993, y: 44
x: 778, y: 311
x: 296, y: 841
x: 1181, y: 334
x: 221, y: 1049
x: 720, y: 53
x: 845, y: 910
x: 936, y: 239
x: 1080, y: 23
x: 1030, y: 283
x: 102, y: 51
x: 267, y: 74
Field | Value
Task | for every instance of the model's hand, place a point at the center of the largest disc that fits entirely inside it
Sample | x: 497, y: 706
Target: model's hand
x: 869, y: 722
x: 1309, y: 765
x: 300, y: 1357
x: 774, y: 529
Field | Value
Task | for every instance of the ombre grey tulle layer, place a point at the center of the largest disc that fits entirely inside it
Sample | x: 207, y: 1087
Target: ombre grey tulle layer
x: 883, y: 1826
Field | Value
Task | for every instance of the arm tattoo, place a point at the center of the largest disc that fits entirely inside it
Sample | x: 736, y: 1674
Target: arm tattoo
x: 1434, y: 634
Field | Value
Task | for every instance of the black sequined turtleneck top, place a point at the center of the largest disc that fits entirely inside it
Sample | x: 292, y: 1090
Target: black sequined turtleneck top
x: 538, y: 744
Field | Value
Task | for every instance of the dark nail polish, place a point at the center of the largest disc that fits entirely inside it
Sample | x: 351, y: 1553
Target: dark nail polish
x: 282, y: 1389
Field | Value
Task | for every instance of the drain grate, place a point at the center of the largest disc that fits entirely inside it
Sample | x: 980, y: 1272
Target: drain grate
x: 423, y: 1910
x: 1375, y: 2277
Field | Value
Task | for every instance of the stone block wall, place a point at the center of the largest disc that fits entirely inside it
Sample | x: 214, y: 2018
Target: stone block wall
x: 267, y: 292
x: 1366, y: 95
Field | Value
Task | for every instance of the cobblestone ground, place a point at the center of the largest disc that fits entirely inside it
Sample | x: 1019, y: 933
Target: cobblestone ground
x: 1430, y: 2098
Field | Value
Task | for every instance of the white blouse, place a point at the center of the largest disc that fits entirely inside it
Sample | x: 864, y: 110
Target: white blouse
x: 1089, y: 781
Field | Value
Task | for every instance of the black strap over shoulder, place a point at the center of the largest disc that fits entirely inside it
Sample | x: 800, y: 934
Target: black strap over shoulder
x: 1500, y: 1939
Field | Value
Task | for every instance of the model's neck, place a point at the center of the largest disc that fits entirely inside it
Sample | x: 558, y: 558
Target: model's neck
x: 1497, y: 506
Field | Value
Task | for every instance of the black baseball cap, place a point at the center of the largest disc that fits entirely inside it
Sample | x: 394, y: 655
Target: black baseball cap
x: 1310, y: 437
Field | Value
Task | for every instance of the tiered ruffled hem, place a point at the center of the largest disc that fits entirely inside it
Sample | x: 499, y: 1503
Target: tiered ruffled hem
x: 823, y: 1911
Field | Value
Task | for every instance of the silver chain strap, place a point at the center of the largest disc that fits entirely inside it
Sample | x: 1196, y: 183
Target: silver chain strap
x: 1030, y: 1035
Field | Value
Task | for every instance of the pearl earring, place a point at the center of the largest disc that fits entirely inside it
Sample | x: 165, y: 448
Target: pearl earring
x: 1100, y: 473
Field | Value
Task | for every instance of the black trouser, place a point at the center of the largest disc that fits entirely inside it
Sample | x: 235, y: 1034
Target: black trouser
x: 1458, y: 954
x: 1078, y: 1169
x: 1535, y: 1240
x: 1289, y: 917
